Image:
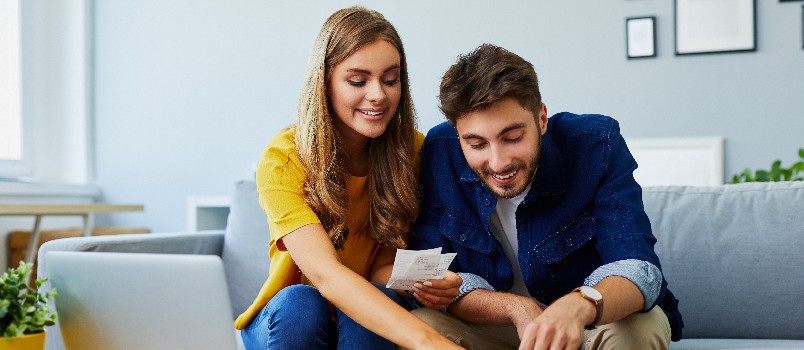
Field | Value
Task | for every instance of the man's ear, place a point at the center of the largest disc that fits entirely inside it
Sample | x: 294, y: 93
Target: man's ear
x: 543, y: 118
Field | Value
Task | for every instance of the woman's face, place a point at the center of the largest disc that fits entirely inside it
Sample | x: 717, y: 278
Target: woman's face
x: 364, y: 91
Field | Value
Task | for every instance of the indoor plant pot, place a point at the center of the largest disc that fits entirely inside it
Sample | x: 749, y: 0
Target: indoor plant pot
x: 34, y: 341
x: 24, y: 311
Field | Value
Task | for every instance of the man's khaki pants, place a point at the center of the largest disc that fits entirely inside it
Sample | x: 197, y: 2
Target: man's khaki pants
x: 649, y: 330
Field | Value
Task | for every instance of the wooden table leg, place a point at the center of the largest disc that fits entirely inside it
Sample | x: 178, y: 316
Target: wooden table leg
x: 34, y: 241
x: 87, y: 224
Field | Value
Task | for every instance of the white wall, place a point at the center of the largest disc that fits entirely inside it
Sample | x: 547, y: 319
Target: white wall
x: 188, y: 92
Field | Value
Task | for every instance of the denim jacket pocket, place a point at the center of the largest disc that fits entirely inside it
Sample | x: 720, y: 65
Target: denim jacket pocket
x: 567, y: 240
x: 473, y: 245
x: 466, y: 235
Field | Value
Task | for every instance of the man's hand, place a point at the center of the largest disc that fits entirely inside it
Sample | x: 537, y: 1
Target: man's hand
x: 438, y: 294
x: 560, y: 326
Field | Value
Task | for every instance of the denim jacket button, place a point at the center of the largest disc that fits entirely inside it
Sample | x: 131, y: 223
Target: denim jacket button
x: 568, y: 241
x: 462, y: 237
x: 487, y: 201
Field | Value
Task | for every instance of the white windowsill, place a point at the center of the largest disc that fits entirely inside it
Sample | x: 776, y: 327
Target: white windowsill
x: 15, y: 189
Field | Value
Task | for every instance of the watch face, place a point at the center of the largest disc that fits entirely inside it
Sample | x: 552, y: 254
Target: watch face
x: 591, y: 292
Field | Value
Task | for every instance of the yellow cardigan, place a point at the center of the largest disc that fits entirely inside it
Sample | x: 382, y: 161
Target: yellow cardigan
x: 280, y: 177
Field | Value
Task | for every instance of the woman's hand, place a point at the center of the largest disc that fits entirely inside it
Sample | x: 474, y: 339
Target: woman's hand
x: 312, y: 251
x: 438, y: 294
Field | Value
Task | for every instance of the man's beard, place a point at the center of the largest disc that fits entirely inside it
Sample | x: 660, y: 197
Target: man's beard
x: 509, y: 191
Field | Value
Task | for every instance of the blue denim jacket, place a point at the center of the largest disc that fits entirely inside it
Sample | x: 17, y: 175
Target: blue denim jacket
x: 584, y: 210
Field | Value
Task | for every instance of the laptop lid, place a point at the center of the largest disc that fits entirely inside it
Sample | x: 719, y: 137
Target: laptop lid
x: 117, y: 301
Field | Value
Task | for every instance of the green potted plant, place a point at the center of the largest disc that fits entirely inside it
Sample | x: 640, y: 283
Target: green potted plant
x: 776, y: 173
x: 24, y: 311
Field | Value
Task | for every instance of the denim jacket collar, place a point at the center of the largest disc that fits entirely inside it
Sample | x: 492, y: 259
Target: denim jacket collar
x: 551, y: 182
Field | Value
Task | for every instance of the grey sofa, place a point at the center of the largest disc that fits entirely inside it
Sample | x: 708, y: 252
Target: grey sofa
x: 732, y: 255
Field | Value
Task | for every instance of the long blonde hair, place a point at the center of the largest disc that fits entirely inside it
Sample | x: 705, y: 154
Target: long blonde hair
x: 392, y: 180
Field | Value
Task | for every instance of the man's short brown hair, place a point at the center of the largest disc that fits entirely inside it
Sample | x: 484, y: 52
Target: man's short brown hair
x: 484, y: 76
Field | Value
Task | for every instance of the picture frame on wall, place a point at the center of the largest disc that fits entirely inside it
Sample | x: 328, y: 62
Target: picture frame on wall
x: 640, y: 37
x: 715, y: 26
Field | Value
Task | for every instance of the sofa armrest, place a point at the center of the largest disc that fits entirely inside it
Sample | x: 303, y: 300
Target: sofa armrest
x: 205, y: 243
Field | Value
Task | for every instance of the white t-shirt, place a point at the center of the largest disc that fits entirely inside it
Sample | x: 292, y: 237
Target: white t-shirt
x: 504, y: 217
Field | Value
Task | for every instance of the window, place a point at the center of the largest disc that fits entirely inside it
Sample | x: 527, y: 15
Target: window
x: 45, y: 89
x: 12, y: 155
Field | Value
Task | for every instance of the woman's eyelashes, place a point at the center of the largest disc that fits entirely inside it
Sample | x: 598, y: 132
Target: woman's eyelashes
x: 361, y: 83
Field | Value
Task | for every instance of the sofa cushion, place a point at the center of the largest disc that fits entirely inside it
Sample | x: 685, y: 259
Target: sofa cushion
x: 245, y: 246
x: 732, y: 256
x: 737, y: 344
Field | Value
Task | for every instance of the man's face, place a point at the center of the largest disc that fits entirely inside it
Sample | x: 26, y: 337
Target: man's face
x: 501, y: 143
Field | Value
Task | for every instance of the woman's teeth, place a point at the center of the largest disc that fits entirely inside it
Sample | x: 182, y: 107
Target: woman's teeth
x: 370, y: 113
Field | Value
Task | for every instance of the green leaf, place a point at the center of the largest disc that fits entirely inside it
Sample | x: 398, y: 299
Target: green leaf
x: 776, y: 170
x: 747, y: 175
x: 762, y: 176
x: 787, y: 174
x: 801, y: 153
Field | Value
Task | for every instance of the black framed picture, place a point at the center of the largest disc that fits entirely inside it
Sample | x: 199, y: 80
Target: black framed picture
x: 640, y: 37
x: 715, y: 26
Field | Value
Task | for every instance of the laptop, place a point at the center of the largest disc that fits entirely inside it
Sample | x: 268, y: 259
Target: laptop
x: 129, y: 301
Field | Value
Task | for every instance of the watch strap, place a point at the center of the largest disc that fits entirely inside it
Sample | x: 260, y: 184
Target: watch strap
x: 598, y: 309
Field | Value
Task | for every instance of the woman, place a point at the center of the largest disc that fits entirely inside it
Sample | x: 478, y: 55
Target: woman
x: 339, y: 189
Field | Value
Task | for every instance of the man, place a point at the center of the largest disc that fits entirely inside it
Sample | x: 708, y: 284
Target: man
x: 552, y: 240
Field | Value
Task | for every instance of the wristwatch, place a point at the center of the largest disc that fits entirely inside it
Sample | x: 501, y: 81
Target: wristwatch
x: 596, y: 298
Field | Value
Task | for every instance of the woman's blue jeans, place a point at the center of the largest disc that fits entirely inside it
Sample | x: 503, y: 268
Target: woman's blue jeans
x: 299, y: 317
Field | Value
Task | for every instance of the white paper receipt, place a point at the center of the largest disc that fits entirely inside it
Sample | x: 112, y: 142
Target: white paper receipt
x: 411, y: 266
